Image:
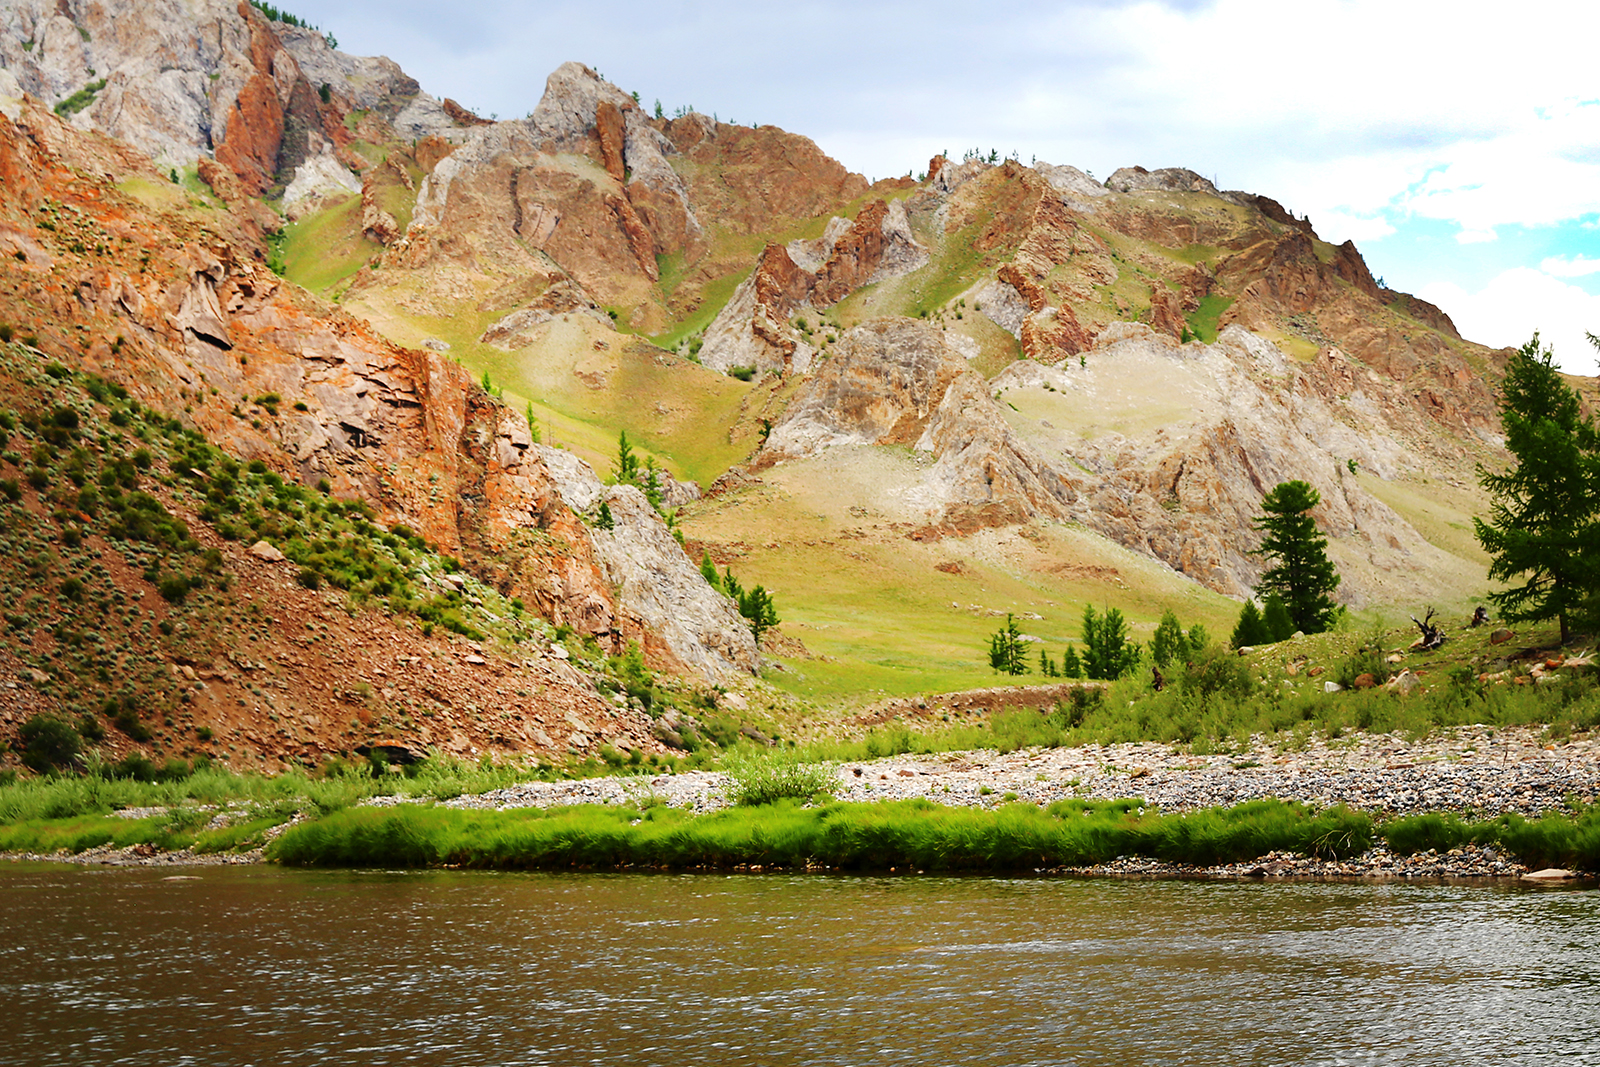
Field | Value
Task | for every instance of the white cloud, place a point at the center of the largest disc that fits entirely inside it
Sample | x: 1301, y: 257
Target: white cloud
x: 1515, y: 303
x: 1341, y: 226
x: 1476, y: 237
x: 1576, y: 267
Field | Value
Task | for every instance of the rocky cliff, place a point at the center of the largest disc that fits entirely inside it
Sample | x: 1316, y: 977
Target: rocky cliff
x: 119, y: 273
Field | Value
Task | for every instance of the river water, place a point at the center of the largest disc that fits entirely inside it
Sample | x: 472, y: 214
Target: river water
x: 272, y: 967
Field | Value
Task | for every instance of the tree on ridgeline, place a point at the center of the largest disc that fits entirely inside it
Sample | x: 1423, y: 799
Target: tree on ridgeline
x: 1544, y: 512
x: 1302, y: 574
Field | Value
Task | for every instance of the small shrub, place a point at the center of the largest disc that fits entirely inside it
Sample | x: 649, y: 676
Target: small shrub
x: 48, y: 743
x: 744, y: 374
x: 765, y: 777
x: 90, y: 729
x: 175, y: 587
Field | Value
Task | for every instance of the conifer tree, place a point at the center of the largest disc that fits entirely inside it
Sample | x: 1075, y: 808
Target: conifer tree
x: 708, y: 571
x: 1168, y: 644
x: 1252, y: 628
x: 1544, y: 516
x: 1275, y: 617
x: 756, y: 606
x: 1107, y: 652
x: 1302, y: 573
x: 1071, y: 665
x: 1006, y: 654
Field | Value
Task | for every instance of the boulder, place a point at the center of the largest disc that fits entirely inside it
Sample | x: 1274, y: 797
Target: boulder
x: 266, y: 552
x: 1404, y: 682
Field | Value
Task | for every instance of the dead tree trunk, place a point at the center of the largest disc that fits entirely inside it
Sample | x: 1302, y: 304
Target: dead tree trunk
x: 1432, y: 636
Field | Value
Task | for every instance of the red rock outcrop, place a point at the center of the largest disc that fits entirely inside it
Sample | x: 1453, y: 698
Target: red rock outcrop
x: 405, y: 429
x: 430, y: 150
x: 461, y: 116
x: 608, y: 130
x: 255, y: 124
x: 1053, y: 334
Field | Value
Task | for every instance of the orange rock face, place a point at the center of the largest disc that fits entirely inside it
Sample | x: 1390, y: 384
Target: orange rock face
x: 255, y: 125
x: 855, y: 256
x: 407, y: 430
x: 608, y: 130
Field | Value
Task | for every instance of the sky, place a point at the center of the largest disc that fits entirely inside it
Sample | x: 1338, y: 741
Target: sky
x: 1457, y: 143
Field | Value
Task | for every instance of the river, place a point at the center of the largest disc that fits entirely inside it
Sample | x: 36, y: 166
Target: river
x: 157, y: 966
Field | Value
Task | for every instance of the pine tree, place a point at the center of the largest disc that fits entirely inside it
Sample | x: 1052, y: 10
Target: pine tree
x: 1006, y: 654
x: 708, y: 571
x: 1107, y: 652
x: 627, y: 467
x: 1168, y: 644
x: 1252, y: 628
x: 1544, y: 515
x: 757, y: 606
x: 1071, y: 665
x: 1275, y: 617
x: 1302, y: 573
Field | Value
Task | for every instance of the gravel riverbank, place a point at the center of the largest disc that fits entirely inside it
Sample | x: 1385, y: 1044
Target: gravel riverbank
x: 1481, y: 771
x: 1487, y: 772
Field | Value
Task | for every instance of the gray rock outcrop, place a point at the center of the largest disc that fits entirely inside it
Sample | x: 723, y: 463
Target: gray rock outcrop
x: 177, y: 78
x: 655, y: 582
x: 1166, y: 179
x: 880, y: 386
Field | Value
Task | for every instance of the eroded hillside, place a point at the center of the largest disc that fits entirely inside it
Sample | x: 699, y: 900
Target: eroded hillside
x: 905, y: 408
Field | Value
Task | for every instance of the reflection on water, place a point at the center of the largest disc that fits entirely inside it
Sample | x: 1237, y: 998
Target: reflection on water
x: 269, y: 967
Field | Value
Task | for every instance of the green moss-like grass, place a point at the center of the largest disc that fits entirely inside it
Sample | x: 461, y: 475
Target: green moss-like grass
x: 911, y: 834
x: 1203, y: 319
x: 327, y: 247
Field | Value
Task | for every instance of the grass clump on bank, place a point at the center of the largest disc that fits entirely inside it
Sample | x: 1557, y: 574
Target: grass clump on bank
x: 783, y: 774
x: 909, y: 834
x: 1567, y: 839
x: 135, y: 783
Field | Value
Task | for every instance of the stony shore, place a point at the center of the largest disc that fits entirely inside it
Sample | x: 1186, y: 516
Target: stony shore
x: 1478, y: 770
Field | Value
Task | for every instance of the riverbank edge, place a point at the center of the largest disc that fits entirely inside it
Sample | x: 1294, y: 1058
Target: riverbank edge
x: 1270, y: 869
x: 1470, y: 773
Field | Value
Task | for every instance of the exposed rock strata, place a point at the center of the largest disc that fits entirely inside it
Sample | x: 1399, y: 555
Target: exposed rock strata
x: 753, y: 329
x: 406, y: 429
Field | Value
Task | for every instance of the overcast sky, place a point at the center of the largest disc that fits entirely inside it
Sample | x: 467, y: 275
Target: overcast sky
x: 1458, y: 143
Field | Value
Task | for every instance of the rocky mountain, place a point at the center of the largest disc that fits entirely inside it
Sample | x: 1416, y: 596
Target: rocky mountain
x: 314, y: 265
